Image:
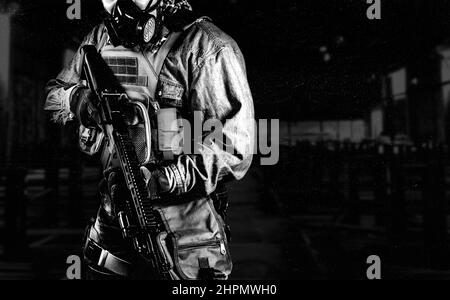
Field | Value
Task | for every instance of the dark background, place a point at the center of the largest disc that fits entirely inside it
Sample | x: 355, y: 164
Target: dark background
x: 363, y: 166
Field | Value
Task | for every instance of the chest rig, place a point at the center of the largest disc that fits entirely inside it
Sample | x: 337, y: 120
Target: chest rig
x: 152, y: 128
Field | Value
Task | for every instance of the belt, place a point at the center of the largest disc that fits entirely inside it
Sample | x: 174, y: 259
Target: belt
x: 104, y: 259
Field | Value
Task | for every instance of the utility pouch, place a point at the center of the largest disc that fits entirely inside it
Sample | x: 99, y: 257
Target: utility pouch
x: 168, y: 133
x: 196, y: 240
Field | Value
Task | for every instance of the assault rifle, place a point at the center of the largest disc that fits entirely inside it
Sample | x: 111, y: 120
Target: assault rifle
x: 139, y: 221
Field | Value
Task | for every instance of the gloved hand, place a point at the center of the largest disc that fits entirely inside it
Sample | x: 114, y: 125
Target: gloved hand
x: 114, y: 188
x: 114, y: 192
x: 157, y: 183
x: 82, y: 106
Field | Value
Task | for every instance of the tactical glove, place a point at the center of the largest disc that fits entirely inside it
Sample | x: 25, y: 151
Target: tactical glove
x: 157, y: 183
x: 82, y: 106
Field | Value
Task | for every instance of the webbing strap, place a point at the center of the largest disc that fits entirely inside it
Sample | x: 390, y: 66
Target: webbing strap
x: 100, y: 257
x: 157, y: 61
x: 103, y: 39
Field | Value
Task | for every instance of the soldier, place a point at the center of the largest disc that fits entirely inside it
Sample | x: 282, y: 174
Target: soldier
x: 179, y: 67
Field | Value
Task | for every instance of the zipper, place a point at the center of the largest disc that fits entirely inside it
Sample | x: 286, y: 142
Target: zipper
x: 217, y: 243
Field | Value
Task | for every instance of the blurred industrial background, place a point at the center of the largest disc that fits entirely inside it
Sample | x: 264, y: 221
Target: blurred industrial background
x: 364, y: 166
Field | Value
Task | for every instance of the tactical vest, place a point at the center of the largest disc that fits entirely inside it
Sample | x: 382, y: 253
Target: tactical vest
x: 155, y: 129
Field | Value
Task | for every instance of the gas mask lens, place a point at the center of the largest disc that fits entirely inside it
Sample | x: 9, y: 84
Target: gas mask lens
x: 149, y: 30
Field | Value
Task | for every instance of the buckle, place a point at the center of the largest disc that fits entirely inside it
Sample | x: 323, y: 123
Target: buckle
x: 102, y: 259
x: 94, y: 253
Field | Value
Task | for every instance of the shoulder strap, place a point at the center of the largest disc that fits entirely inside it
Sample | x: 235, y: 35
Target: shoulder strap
x: 161, y: 55
x: 159, y: 60
x: 164, y: 51
x: 102, y: 39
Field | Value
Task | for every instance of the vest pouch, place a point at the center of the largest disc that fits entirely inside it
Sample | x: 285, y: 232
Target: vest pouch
x: 195, y: 234
x: 169, y: 142
x: 188, y: 257
x: 170, y: 125
x: 141, y: 133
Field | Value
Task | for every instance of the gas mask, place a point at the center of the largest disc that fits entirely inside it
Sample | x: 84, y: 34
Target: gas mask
x: 130, y: 23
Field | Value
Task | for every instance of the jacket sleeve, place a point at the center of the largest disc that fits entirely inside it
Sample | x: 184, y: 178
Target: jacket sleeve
x: 60, y: 89
x: 219, y: 91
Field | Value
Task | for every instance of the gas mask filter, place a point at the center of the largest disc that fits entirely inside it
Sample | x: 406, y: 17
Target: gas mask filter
x: 130, y: 26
